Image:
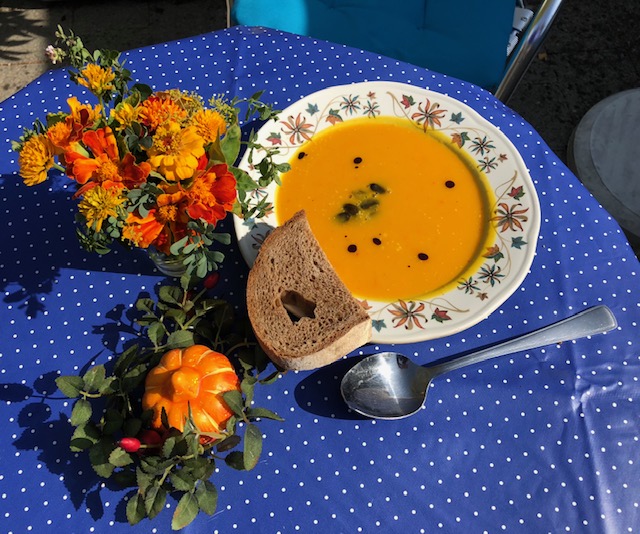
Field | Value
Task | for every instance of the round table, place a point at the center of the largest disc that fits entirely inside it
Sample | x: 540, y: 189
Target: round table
x: 540, y: 441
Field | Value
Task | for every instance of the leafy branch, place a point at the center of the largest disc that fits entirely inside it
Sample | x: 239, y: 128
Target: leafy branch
x: 117, y: 434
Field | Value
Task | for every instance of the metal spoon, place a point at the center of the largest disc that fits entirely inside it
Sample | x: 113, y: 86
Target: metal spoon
x: 389, y: 385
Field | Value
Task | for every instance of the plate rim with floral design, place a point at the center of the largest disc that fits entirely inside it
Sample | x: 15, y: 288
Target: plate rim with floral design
x: 515, y: 213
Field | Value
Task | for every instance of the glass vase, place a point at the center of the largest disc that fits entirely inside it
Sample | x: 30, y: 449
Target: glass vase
x: 168, y: 265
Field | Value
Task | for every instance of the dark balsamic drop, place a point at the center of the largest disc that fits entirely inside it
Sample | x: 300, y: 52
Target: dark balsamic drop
x: 352, y: 248
x: 302, y: 155
x: 351, y: 209
x: 357, y: 160
x: 377, y: 188
x: 422, y: 256
x: 377, y: 241
x: 450, y: 184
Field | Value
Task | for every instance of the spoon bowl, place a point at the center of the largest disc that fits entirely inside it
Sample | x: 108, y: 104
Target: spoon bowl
x: 389, y: 385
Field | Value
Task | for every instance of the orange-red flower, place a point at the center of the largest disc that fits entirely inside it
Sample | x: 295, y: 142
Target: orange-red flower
x: 159, y: 109
x: 61, y: 134
x: 102, y: 165
x: 212, y: 194
x: 163, y: 225
x: 82, y: 116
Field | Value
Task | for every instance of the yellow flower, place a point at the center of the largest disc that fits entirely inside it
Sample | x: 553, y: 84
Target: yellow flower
x: 36, y: 158
x: 125, y: 114
x: 209, y: 124
x: 96, y: 78
x: 99, y: 204
x: 175, y: 151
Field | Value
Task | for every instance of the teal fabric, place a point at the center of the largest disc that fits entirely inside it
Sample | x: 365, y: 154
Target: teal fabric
x: 464, y: 38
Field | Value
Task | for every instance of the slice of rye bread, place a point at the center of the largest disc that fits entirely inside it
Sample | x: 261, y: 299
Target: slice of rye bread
x: 302, y: 314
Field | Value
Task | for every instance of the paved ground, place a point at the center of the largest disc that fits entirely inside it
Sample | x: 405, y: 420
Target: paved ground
x: 593, y: 50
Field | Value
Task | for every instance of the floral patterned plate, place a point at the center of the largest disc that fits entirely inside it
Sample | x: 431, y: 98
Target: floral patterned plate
x: 515, y: 214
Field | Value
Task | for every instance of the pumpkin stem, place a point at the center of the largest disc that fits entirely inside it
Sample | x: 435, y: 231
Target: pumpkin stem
x: 185, y: 384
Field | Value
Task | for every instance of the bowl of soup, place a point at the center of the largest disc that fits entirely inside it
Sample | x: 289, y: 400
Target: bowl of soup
x: 425, y: 210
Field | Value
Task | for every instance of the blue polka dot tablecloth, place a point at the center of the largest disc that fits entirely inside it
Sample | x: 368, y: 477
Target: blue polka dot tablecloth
x: 541, y: 441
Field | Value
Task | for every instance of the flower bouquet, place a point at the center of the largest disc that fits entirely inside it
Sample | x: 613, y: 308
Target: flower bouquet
x: 154, y: 170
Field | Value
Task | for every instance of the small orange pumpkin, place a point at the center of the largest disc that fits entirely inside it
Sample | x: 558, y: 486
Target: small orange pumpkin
x: 194, y: 377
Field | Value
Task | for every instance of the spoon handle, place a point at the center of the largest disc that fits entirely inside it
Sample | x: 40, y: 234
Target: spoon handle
x: 596, y: 320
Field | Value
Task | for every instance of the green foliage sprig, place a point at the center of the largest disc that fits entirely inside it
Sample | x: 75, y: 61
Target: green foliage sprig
x: 117, y: 435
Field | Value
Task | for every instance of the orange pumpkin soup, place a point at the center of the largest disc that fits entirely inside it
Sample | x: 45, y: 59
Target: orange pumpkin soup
x: 401, y: 213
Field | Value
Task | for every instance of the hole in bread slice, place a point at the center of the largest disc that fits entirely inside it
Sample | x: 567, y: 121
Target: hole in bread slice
x: 297, y: 306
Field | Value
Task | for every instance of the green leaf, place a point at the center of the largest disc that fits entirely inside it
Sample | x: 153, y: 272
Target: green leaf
x: 182, y: 480
x: 167, y: 447
x: 125, y: 478
x: 248, y: 386
x: 207, y: 497
x: 235, y: 459
x: 180, y: 339
x: 228, y: 443
x: 143, y: 480
x: 132, y: 427
x: 170, y: 294
x: 230, y: 144
x: 81, y: 412
x: 70, y: 386
x: 94, y: 378
x: 263, y: 413
x: 154, y: 500
x: 156, y: 332
x: 201, y: 467
x: 125, y: 360
x: 84, y: 437
x: 176, y: 315
x: 133, y: 377
x: 112, y: 421
x: 99, y: 456
x: 135, y: 509
x: 107, y: 387
x: 252, y: 446
x: 234, y: 401
x: 119, y: 457
x: 271, y: 378
x: 145, y: 304
x: 186, y: 511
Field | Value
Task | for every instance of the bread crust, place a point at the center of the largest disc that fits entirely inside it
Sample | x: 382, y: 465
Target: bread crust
x: 292, y: 266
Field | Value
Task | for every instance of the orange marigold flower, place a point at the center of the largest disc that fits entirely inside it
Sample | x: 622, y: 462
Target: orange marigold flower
x: 60, y: 135
x: 103, y: 165
x: 157, y: 110
x: 96, y: 78
x: 82, y: 115
x: 35, y: 160
x: 142, y: 231
x: 162, y: 226
x: 209, y: 124
x: 175, y: 151
x: 212, y: 194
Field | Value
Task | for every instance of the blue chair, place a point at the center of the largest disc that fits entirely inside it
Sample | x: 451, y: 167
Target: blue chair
x: 466, y: 39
